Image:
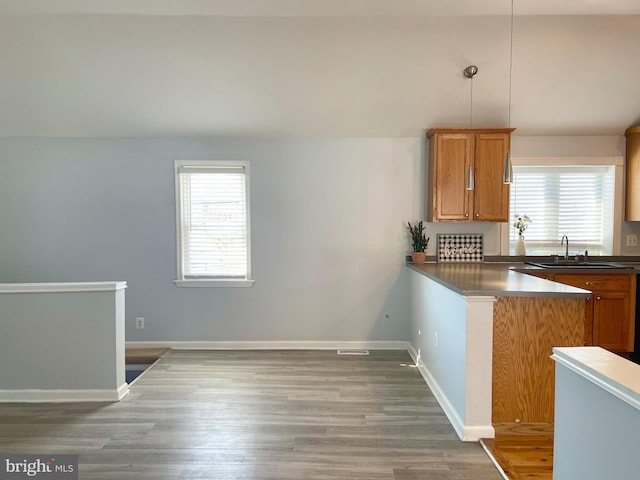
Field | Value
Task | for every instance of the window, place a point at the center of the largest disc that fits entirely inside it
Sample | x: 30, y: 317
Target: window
x: 575, y: 200
x: 212, y: 205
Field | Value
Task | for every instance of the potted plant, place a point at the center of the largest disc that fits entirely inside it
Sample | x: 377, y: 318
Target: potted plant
x: 419, y: 242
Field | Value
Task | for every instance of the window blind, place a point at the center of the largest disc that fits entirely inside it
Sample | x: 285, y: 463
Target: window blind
x: 214, y: 229
x: 573, y: 200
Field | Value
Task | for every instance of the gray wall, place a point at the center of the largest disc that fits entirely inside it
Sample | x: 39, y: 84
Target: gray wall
x: 596, y: 433
x: 70, y: 340
x: 328, y: 232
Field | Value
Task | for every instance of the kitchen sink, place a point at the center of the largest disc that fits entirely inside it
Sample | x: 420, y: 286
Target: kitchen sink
x: 584, y: 265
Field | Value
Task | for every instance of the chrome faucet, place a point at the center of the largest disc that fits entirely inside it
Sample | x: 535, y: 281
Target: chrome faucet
x: 566, y: 251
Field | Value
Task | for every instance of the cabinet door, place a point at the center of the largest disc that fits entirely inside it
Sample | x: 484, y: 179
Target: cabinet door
x: 611, y: 312
x: 632, y: 168
x: 449, y: 163
x: 610, y: 315
x: 491, y: 194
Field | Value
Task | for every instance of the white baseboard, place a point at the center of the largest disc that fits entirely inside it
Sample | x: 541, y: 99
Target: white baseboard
x: 442, y: 399
x: 67, y: 396
x: 273, y: 345
x: 476, y: 432
x: 467, y: 433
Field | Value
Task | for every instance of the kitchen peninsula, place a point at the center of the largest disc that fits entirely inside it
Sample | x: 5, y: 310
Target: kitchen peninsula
x: 41, y: 358
x: 482, y: 336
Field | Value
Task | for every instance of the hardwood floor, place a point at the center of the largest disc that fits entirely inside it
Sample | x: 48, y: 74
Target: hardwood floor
x: 524, y: 451
x: 144, y: 355
x: 257, y: 415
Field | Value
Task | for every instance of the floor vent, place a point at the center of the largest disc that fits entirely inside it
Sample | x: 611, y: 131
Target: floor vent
x: 353, y: 352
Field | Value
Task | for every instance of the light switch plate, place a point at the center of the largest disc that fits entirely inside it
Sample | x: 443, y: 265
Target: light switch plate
x: 632, y: 240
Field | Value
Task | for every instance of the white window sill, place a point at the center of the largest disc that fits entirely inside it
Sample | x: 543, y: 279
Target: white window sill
x: 213, y: 283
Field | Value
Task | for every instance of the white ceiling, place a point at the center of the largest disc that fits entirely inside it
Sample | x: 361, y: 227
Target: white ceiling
x: 321, y: 68
x: 289, y: 8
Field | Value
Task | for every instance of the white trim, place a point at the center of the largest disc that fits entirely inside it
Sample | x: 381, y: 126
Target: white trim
x: 475, y: 433
x: 69, y: 287
x: 273, y: 345
x: 176, y: 174
x: 480, y: 298
x: 214, y: 283
x: 442, y: 399
x: 58, y: 396
x: 553, y: 161
x: 177, y: 165
x: 618, y: 206
x: 466, y: 433
x: 627, y: 395
x: 618, y: 201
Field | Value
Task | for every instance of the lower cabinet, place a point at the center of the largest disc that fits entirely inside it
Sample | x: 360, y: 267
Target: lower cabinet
x: 611, y: 326
x: 610, y: 311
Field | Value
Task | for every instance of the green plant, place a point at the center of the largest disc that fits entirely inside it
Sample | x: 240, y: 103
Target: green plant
x: 522, y: 223
x: 419, y: 241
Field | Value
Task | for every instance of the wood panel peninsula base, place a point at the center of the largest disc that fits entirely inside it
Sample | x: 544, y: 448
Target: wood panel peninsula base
x: 525, y: 330
x: 523, y: 381
x: 482, y: 337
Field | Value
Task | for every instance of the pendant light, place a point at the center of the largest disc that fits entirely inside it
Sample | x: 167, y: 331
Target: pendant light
x: 470, y: 72
x: 507, y: 174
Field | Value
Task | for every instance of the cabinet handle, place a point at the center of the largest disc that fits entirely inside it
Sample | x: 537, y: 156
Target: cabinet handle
x: 587, y: 283
x: 477, y: 214
x: 597, y: 298
x: 466, y: 214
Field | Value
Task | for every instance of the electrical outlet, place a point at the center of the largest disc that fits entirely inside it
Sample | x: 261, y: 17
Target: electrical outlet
x: 140, y: 323
x: 632, y: 240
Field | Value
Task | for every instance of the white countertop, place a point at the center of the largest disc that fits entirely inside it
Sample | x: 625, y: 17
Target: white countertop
x: 62, y: 287
x: 617, y: 375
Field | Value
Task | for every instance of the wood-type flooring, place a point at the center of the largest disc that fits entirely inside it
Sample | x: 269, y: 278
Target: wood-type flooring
x: 143, y: 355
x: 524, y: 451
x: 260, y: 415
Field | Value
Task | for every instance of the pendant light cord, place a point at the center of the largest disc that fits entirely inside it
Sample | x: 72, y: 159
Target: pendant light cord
x: 510, y: 61
x: 471, y: 106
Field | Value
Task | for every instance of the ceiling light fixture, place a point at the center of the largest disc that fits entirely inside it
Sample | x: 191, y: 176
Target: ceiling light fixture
x: 507, y: 174
x: 470, y: 72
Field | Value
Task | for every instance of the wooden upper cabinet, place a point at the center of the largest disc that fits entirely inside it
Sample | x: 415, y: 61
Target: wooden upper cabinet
x: 491, y: 194
x: 632, y: 164
x: 451, y: 157
x: 453, y: 154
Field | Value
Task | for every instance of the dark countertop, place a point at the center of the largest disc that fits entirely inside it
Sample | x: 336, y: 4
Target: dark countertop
x: 524, y: 267
x: 500, y: 279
